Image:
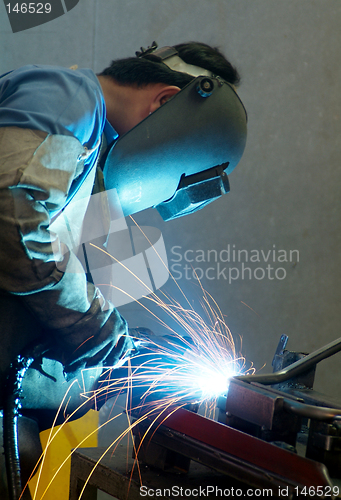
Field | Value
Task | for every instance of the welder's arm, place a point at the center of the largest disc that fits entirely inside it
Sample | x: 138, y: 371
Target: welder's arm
x: 36, y: 172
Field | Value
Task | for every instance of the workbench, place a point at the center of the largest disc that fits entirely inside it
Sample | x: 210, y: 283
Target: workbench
x: 113, y: 476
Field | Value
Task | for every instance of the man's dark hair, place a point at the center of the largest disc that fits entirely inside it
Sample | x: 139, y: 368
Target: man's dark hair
x: 210, y: 58
x: 141, y: 71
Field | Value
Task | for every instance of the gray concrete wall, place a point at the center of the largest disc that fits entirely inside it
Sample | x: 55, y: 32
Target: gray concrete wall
x: 285, y: 192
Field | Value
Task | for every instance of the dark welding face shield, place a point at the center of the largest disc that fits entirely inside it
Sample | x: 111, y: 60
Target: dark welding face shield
x: 177, y: 159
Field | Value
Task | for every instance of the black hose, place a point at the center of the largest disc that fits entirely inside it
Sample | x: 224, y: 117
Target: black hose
x: 10, y: 424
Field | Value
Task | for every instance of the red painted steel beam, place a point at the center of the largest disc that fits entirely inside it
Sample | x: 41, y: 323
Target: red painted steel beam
x: 250, y: 449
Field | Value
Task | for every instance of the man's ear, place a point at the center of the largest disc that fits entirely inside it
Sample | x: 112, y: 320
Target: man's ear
x: 163, y: 96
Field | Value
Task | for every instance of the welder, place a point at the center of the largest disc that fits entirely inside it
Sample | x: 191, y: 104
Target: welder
x: 151, y: 130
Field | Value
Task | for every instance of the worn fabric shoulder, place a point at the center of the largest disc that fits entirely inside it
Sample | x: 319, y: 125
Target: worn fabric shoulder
x: 55, y: 100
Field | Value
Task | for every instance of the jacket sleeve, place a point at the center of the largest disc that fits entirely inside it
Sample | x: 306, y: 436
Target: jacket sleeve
x: 36, y: 172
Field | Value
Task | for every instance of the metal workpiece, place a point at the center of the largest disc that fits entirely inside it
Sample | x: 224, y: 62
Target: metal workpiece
x: 289, y: 413
x: 297, y: 368
x: 269, y: 407
x: 297, y: 373
x: 310, y: 411
x: 255, y: 404
x: 261, y: 412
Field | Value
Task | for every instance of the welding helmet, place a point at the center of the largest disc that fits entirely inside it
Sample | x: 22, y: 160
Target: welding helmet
x: 178, y: 158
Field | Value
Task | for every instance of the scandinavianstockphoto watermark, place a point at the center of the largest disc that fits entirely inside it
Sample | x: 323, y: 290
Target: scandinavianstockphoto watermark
x: 231, y: 263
